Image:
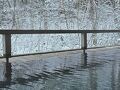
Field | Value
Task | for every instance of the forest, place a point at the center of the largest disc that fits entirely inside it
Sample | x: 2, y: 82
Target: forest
x: 60, y: 14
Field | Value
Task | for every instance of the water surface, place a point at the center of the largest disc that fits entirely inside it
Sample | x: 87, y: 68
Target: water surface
x: 75, y: 70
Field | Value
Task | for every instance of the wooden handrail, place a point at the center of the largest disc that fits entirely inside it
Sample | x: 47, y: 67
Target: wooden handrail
x: 7, y: 36
x: 55, y: 31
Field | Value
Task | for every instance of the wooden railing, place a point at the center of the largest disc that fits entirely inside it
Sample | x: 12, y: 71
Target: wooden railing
x: 7, y: 36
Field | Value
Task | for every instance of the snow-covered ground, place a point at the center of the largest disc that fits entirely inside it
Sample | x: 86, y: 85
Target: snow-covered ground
x: 59, y: 15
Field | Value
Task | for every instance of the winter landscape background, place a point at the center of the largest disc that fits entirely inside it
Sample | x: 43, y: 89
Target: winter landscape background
x: 59, y: 15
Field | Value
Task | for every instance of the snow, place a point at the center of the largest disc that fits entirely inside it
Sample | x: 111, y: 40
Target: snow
x: 57, y: 15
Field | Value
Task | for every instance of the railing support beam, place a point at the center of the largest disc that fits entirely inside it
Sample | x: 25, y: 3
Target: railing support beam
x: 7, y: 45
x: 83, y: 40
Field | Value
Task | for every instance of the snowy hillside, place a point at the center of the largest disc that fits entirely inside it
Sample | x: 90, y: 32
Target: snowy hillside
x: 62, y: 15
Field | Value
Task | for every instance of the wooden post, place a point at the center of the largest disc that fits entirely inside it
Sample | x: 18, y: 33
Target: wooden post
x: 83, y: 40
x: 7, y: 45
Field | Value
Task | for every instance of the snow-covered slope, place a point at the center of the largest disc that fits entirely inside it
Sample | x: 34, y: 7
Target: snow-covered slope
x: 62, y: 15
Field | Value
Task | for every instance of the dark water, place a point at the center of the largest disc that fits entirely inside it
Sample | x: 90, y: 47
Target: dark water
x: 75, y: 70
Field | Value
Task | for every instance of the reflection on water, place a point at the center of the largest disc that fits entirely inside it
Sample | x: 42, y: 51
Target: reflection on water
x: 84, y: 58
x: 7, y: 75
x: 87, y: 70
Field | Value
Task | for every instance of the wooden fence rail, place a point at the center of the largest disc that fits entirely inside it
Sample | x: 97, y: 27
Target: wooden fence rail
x: 7, y: 36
